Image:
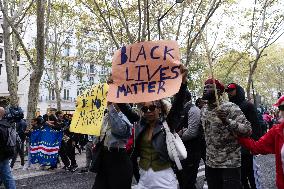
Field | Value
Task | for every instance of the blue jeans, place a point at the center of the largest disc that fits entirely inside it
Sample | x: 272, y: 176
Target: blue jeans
x: 6, y: 175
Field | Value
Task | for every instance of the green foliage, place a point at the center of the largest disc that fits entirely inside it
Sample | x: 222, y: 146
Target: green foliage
x: 100, y: 29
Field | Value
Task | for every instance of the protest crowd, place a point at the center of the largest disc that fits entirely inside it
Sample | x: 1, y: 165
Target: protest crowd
x: 160, y: 142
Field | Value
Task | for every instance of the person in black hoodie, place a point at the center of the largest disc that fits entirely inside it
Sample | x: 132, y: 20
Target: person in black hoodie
x: 236, y: 95
x: 67, y: 149
x: 6, y: 152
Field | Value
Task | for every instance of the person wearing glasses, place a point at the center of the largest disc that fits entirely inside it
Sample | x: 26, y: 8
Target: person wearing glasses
x: 271, y: 143
x: 150, y: 139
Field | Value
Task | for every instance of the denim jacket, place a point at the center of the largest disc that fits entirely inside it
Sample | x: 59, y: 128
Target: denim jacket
x: 116, y: 128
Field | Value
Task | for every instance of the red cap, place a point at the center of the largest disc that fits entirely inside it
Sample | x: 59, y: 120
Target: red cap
x: 279, y: 101
x: 231, y: 87
x: 218, y: 84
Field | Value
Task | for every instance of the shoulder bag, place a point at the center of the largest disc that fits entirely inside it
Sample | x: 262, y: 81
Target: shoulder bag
x: 175, y: 146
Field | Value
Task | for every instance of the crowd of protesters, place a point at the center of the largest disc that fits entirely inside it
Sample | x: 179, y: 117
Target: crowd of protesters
x: 224, y: 134
x: 56, y: 121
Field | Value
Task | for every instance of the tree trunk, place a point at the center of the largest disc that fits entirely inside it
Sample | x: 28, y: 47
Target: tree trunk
x: 250, y: 76
x: 56, y: 85
x: 148, y: 21
x: 54, y: 69
x: 38, y: 71
x: 248, y: 88
x: 140, y: 21
x: 144, y: 26
x: 11, y: 75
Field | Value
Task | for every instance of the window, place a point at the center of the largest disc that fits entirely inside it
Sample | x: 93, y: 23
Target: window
x: 67, y: 51
x: 52, y: 94
x: 68, y: 72
x: 92, y: 68
x: 68, y: 77
x: 78, y: 92
x: 66, y: 94
x: 92, y: 80
x: 1, y: 68
x: 104, y: 71
x: 18, y: 56
x: 1, y: 37
x: 1, y: 53
x: 80, y: 66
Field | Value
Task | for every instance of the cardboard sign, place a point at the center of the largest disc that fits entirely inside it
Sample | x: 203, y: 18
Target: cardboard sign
x: 145, y: 71
x: 89, y: 112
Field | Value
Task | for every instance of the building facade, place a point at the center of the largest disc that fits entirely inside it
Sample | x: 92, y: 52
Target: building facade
x: 79, y: 76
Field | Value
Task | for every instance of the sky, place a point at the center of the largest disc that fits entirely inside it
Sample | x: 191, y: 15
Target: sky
x: 227, y: 22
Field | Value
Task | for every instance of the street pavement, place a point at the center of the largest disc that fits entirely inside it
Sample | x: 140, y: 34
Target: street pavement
x: 60, y: 179
x: 266, y: 168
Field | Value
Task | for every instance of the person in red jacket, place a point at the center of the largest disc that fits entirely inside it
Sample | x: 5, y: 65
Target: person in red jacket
x: 271, y: 143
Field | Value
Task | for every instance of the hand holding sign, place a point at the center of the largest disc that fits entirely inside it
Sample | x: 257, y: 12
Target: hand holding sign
x: 145, y: 71
x: 184, y: 72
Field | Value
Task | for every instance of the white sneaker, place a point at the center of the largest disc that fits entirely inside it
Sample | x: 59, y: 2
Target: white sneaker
x: 26, y: 167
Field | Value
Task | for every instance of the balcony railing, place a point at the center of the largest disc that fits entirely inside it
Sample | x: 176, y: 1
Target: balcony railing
x: 53, y: 99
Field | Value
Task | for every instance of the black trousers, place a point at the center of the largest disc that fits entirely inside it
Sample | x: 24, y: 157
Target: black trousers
x: 21, y: 151
x: 248, y: 180
x: 115, y: 172
x: 67, y: 153
x: 223, y: 178
x: 196, y: 151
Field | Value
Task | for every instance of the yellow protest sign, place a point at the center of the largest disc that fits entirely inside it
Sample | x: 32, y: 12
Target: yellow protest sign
x: 89, y: 112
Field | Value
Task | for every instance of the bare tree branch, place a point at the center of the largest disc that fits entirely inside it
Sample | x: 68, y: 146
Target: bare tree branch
x: 180, y: 21
x: 47, y: 25
x: 124, y: 21
x: 17, y: 35
x: 24, y: 14
x: 106, y: 24
x: 190, y: 46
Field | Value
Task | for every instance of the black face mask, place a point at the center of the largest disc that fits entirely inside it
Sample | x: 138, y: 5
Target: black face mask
x: 281, y: 107
x: 233, y: 98
x: 209, y: 95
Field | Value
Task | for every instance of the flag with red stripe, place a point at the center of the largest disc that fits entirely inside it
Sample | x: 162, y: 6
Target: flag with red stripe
x: 45, y: 144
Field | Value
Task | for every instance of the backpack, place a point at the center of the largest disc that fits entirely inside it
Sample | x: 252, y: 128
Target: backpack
x: 10, y: 139
x: 21, y: 127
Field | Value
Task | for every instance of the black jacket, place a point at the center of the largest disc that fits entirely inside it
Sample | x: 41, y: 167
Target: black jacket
x: 3, y: 138
x: 159, y: 137
x: 249, y: 111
